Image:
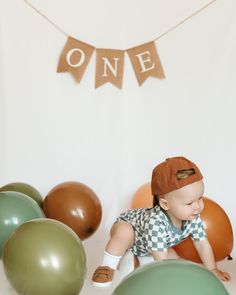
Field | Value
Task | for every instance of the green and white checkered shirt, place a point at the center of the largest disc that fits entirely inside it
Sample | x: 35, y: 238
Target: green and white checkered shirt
x: 155, y: 232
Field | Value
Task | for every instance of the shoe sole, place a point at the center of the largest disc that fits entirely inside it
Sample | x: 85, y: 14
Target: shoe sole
x: 101, y: 285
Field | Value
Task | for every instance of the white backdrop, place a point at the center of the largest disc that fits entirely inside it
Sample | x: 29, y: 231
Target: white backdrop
x: 54, y: 130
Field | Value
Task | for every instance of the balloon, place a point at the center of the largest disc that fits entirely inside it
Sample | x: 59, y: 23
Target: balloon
x: 15, y: 209
x: 219, y: 232
x: 171, y: 277
x: 44, y: 257
x: 143, y: 197
x: 76, y: 205
x: 24, y: 188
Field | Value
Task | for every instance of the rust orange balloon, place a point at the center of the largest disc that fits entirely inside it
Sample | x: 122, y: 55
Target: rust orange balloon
x: 219, y: 232
x: 76, y: 205
x: 143, y: 197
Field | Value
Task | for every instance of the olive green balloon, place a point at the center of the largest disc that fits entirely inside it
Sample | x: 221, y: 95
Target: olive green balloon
x: 15, y: 209
x: 24, y: 188
x: 171, y: 277
x: 44, y: 257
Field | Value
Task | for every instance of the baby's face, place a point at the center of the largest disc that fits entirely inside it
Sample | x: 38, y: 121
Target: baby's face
x: 186, y: 202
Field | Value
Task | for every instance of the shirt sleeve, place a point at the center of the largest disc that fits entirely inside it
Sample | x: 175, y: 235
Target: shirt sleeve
x: 155, y: 234
x: 198, y: 232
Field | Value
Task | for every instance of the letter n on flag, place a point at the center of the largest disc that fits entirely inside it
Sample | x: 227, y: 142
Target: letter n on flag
x: 75, y: 58
x: 109, y: 67
x: 146, y: 62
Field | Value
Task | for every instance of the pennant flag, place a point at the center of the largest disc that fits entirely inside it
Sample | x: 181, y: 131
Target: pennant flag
x: 75, y: 58
x: 109, y: 67
x: 146, y: 62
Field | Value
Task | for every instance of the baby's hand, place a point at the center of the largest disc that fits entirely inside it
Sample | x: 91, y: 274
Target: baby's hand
x: 224, y: 276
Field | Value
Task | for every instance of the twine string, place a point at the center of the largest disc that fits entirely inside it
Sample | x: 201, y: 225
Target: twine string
x: 184, y: 20
x: 45, y: 17
x: 157, y: 38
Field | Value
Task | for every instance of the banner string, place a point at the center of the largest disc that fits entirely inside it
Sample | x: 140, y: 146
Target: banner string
x: 184, y: 20
x: 45, y: 17
x: 157, y: 38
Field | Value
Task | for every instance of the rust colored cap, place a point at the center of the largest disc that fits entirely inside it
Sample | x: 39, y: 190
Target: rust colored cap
x: 164, y: 175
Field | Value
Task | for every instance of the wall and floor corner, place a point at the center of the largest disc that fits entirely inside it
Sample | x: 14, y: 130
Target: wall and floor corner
x: 55, y: 130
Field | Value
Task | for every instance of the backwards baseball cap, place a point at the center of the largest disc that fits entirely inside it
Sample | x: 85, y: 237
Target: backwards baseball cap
x: 164, y: 175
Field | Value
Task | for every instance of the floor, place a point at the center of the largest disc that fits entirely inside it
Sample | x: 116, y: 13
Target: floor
x: 93, y: 259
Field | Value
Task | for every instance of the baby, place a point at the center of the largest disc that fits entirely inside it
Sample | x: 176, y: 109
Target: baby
x: 151, y: 233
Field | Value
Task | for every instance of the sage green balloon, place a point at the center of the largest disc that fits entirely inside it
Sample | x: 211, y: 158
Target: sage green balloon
x: 24, y: 188
x: 44, y: 257
x: 15, y: 209
x: 171, y: 277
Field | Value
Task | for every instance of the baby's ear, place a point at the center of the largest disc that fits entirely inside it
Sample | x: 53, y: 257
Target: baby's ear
x: 163, y: 203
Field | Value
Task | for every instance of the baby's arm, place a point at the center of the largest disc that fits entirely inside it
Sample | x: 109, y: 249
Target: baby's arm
x: 205, y: 252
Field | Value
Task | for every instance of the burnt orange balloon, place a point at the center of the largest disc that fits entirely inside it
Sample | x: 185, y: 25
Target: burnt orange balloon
x: 143, y: 197
x: 219, y: 232
x: 76, y: 205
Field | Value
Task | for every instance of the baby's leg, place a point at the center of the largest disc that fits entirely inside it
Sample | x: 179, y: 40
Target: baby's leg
x: 122, y: 238
x: 149, y: 258
x: 143, y: 260
x: 172, y: 254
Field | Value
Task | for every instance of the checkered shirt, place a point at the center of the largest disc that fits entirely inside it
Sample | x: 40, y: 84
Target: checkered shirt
x: 155, y: 232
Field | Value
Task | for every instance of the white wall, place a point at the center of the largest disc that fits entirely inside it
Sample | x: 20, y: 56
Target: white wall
x: 2, y: 112
x: 54, y: 130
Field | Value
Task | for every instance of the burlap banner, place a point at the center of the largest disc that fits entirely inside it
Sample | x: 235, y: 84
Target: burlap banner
x: 75, y: 58
x: 109, y: 67
x: 110, y: 62
x: 146, y: 62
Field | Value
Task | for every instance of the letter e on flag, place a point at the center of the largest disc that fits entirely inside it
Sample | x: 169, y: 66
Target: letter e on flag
x: 146, y: 62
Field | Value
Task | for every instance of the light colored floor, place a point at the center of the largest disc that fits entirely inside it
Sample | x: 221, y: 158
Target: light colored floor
x: 93, y: 259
